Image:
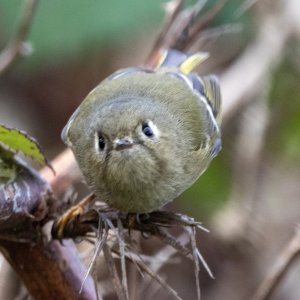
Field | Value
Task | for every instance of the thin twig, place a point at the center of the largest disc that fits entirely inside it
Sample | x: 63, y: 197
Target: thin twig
x: 200, y: 27
x: 195, y: 261
x: 172, y: 9
x: 99, y: 246
x: 113, y: 272
x: 165, y: 254
x: 121, y: 242
x: 151, y: 273
x: 13, y: 50
x: 279, y: 269
x: 183, y: 27
x: 246, y: 5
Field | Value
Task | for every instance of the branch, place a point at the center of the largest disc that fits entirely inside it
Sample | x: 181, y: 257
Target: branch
x: 183, y: 27
x: 279, y: 269
x: 172, y: 10
x: 14, y: 48
x: 26, y: 200
x: 49, y: 271
x: 101, y: 214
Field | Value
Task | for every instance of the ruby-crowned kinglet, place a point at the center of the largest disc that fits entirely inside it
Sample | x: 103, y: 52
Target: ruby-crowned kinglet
x: 143, y: 136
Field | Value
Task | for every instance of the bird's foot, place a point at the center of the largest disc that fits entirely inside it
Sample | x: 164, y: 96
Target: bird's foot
x: 73, y: 212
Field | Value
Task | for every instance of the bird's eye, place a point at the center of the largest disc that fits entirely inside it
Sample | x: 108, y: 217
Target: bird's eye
x: 147, y: 130
x: 101, y: 142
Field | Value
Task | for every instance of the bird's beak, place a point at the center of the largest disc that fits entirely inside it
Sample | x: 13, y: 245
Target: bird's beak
x: 124, y: 143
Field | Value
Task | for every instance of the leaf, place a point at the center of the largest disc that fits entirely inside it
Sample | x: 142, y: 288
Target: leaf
x: 8, y: 172
x: 15, y: 141
x: 8, y: 167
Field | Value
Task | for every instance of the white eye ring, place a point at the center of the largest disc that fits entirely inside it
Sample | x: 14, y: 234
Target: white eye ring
x: 147, y: 130
x: 99, y: 142
x: 150, y: 129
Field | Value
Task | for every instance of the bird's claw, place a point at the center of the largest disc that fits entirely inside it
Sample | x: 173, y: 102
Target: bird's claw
x: 71, y: 214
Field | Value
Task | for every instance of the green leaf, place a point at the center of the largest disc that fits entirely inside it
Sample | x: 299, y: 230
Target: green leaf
x: 8, y: 172
x: 8, y: 167
x: 15, y: 141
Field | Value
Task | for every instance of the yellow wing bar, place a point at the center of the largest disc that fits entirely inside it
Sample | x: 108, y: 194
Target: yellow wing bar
x: 184, y: 62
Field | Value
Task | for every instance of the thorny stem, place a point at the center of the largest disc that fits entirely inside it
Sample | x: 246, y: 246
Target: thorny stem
x: 50, y: 271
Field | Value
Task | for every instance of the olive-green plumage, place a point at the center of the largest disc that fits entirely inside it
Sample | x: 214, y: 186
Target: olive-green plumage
x: 142, y: 137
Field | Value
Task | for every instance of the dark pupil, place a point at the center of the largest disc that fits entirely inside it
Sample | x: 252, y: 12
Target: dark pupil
x: 147, y: 130
x: 101, y: 142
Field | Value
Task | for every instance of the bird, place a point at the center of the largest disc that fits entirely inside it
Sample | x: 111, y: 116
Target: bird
x: 143, y: 135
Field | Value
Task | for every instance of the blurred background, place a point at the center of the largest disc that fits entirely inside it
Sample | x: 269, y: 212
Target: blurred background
x: 249, y: 198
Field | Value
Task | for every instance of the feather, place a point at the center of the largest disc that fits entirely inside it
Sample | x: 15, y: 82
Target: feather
x: 212, y: 92
x: 184, y: 62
